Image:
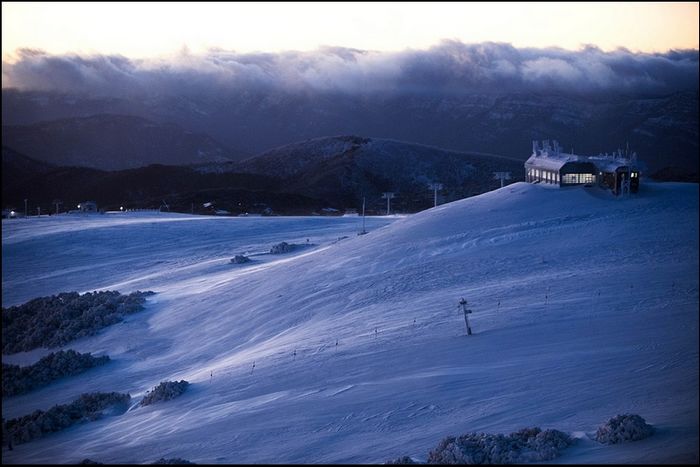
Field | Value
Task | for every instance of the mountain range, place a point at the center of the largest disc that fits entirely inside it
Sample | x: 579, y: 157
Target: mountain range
x: 662, y: 129
x: 112, y: 142
x: 304, y: 177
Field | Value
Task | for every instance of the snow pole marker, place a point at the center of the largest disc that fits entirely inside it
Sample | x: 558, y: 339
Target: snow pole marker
x: 463, y: 304
x: 253, y: 367
x: 295, y: 355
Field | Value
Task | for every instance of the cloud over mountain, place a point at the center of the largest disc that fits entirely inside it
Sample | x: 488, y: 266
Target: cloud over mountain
x: 450, y: 68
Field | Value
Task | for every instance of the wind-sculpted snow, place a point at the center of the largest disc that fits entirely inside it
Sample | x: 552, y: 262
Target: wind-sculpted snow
x: 88, y: 407
x: 56, y: 320
x: 19, y: 380
x: 584, y: 306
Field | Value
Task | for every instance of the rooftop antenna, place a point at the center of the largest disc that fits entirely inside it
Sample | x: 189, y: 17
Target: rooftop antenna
x: 435, y: 187
x: 557, y: 148
x: 501, y: 176
x: 388, y: 195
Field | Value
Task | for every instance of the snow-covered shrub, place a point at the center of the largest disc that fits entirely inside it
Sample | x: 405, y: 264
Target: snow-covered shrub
x: 87, y: 407
x: 526, y: 445
x: 165, y: 391
x: 401, y: 460
x: 240, y: 259
x: 19, y: 380
x: 56, y: 320
x: 283, y: 247
x: 621, y: 428
x: 175, y: 460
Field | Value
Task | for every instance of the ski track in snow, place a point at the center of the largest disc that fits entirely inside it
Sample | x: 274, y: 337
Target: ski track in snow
x: 584, y: 307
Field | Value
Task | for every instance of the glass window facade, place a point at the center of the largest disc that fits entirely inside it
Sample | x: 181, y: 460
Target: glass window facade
x: 577, y: 178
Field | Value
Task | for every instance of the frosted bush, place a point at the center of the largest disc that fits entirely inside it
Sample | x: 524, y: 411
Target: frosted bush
x: 19, y: 380
x: 56, y: 320
x: 165, y: 391
x: 240, y: 259
x: 283, y: 247
x: 622, y: 428
x: 401, y: 460
x: 526, y: 445
x: 87, y: 407
x: 175, y: 460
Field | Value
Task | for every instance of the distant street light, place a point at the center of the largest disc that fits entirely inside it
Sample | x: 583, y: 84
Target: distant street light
x: 388, y: 195
x: 363, y: 218
x: 57, y: 202
x: 501, y: 176
x: 26, y: 213
x: 435, y: 187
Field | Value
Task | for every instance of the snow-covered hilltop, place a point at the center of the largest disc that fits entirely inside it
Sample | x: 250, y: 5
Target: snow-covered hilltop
x: 346, y: 168
x: 354, y: 350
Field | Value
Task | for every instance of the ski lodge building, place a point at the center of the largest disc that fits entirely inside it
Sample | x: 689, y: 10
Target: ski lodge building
x: 548, y: 164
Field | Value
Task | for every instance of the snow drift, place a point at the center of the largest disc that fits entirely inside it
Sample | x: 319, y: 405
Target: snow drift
x: 584, y: 306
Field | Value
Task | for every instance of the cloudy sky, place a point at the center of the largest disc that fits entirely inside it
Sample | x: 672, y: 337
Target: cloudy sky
x: 140, y: 30
x: 441, y: 49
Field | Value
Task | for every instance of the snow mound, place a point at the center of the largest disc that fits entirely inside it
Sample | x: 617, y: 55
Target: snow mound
x: 623, y: 428
x: 526, y: 445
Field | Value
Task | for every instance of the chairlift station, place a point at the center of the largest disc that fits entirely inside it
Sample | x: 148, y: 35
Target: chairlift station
x: 549, y: 165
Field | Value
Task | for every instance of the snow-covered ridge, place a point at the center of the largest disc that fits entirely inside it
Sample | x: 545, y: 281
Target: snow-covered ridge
x: 583, y: 306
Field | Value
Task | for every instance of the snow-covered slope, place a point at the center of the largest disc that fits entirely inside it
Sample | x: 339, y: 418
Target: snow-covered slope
x: 584, y: 306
